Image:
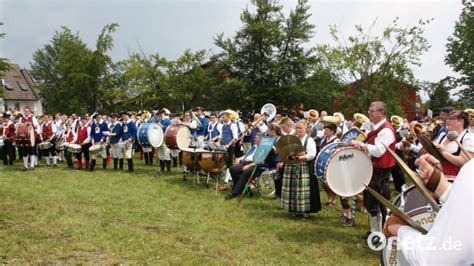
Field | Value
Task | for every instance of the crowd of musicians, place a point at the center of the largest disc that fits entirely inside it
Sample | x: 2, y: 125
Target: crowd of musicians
x: 115, y: 136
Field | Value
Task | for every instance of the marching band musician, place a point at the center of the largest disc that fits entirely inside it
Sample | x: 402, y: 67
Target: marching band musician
x: 450, y: 224
x: 201, y: 129
x: 470, y: 112
x: 84, y: 139
x: 147, y: 150
x: 129, y: 133
x: 8, y: 135
x: 260, y: 127
x: 58, y: 124
x: 164, y: 153
x: 273, y: 159
x: 382, y: 134
x: 69, y: 136
x: 300, y: 191
x: 228, y: 133
x: 114, y: 139
x: 99, y: 132
x: 49, y: 133
x: 211, y: 132
x: 457, y: 121
x: 27, y: 151
x: 190, y: 122
x: 330, y: 130
x: 443, y: 115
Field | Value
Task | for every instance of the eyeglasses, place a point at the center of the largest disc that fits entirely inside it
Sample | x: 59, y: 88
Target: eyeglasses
x: 373, y: 111
x: 299, y: 127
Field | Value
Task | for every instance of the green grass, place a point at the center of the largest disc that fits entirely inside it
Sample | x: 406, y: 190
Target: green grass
x: 55, y: 215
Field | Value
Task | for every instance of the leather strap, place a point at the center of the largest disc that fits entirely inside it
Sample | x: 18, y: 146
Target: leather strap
x: 433, y: 182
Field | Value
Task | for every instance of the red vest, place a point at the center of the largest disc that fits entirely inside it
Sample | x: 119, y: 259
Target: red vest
x: 25, y: 120
x: 47, y: 130
x: 9, y: 130
x: 81, y: 134
x: 386, y: 160
x: 69, y: 136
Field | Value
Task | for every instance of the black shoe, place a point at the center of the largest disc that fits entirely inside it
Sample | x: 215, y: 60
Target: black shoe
x: 229, y: 196
x: 349, y: 222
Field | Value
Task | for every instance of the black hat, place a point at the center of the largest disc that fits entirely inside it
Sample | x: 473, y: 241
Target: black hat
x: 331, y: 126
x: 161, y: 111
x: 124, y: 112
x: 199, y: 108
x: 113, y: 115
x: 95, y: 113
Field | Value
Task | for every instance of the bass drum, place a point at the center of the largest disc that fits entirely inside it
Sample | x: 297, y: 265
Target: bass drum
x: 344, y: 169
x: 415, y: 206
x: 150, y: 134
x: 353, y: 134
x: 178, y: 137
x: 25, y: 136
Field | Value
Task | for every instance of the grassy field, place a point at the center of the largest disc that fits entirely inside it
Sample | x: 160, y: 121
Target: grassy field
x: 55, y: 215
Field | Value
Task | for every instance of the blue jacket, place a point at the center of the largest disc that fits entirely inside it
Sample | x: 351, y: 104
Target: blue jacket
x: 129, y: 130
x: 97, y: 131
x: 201, y: 131
x: 117, y: 129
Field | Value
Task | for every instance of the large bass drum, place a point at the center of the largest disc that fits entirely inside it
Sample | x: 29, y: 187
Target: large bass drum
x: 212, y: 162
x: 25, y: 136
x: 178, y: 137
x: 344, y: 169
x: 415, y: 206
x: 150, y: 134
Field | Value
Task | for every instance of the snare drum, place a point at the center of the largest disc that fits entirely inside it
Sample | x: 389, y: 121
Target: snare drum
x: 150, y: 134
x: 74, y: 148
x: 95, y: 149
x: 45, y: 145
x: 25, y: 136
x: 415, y: 206
x: 178, y: 137
x: 60, y: 147
x: 2, y: 143
x: 345, y: 169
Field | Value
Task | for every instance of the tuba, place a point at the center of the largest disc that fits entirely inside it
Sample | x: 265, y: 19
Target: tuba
x: 396, y: 120
x: 359, y: 120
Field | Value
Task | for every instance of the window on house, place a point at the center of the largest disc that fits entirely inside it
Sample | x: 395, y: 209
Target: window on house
x: 23, y: 85
x: 7, y: 85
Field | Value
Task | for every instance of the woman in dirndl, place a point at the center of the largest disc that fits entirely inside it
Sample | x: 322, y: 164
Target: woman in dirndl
x: 300, y: 190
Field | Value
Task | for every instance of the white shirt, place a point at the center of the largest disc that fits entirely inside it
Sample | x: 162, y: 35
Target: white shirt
x: 452, y: 147
x: 414, y: 148
x: 385, y: 136
x: 450, y: 239
x: 310, y: 147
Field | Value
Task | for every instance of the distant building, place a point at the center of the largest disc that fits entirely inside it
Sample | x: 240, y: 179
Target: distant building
x: 20, y: 90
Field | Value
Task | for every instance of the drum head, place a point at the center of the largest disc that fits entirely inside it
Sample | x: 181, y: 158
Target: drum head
x: 348, y: 171
x: 183, y: 137
x: 155, y: 135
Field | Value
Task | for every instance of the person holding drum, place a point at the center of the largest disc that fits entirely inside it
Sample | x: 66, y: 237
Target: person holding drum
x: 27, y: 149
x: 450, y: 238
x: 99, y: 131
x: 69, y: 136
x: 8, y: 134
x: 228, y: 137
x: 129, y: 133
x: 382, y: 134
x: 114, y: 140
x: 48, y: 132
x: 211, y: 131
x: 83, y: 138
x: 457, y: 121
x: 300, y: 190
x: 330, y: 130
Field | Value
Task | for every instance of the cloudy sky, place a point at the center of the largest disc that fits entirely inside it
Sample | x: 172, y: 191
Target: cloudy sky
x: 170, y: 27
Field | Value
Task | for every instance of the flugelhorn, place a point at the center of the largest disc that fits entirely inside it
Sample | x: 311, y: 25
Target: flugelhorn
x: 360, y: 119
x: 396, y: 120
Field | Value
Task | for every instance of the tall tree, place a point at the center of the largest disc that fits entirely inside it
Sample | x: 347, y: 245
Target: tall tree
x: 377, y: 67
x: 72, y: 77
x: 266, y: 57
x: 438, y: 92
x: 460, y: 54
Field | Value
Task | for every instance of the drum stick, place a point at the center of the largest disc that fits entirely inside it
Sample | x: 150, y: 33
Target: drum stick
x: 453, y: 136
x: 415, y: 179
x: 407, y: 219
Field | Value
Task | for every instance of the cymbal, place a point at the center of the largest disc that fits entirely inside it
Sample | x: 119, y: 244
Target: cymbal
x: 431, y: 148
x: 287, y: 146
x: 286, y: 140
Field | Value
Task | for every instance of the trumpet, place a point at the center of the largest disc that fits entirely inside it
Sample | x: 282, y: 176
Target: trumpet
x: 396, y: 120
x: 360, y: 119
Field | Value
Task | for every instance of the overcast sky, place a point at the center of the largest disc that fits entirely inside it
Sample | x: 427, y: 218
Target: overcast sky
x: 170, y: 27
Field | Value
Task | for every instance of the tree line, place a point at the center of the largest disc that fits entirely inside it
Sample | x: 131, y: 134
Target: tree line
x: 269, y: 59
